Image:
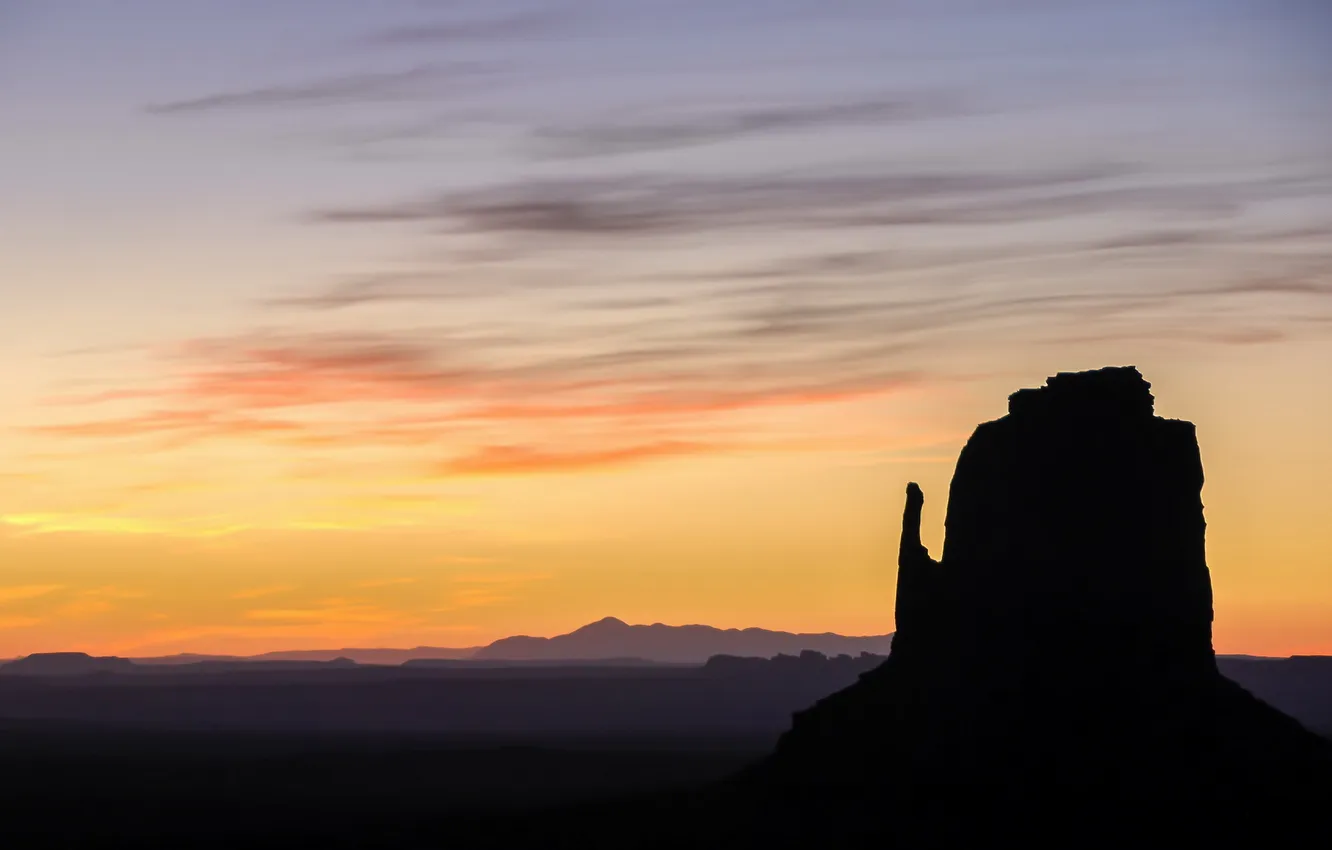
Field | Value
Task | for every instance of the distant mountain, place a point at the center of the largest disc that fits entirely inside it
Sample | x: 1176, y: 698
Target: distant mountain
x: 360, y: 656
x: 605, y: 640
x: 612, y: 638
x: 66, y: 664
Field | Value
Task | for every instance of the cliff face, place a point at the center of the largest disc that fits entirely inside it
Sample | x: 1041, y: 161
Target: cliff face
x: 1075, y: 536
x: 1063, y: 640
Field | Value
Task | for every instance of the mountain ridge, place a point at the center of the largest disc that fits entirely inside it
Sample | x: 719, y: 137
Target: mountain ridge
x: 606, y: 639
x: 611, y: 637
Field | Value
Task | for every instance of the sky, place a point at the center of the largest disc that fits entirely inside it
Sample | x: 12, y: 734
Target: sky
x: 332, y: 323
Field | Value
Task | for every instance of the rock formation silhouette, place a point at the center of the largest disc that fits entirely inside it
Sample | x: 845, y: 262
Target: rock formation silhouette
x: 1062, y: 644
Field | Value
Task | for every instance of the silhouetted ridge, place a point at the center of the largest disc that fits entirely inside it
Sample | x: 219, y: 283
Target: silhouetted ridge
x: 66, y: 664
x: 611, y: 638
x: 1062, y: 643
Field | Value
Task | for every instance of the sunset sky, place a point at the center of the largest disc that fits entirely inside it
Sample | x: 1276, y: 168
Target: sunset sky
x: 336, y: 323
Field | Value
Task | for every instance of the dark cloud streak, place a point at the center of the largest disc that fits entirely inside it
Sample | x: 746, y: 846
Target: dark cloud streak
x: 624, y: 138
x: 642, y: 206
x: 534, y: 22
x: 347, y: 89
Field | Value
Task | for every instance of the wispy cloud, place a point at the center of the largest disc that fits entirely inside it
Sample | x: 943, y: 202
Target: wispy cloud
x: 474, y: 598
x: 499, y: 577
x: 260, y: 592
x: 19, y: 593
x: 520, y: 460
x: 457, y: 32
x: 405, y: 501
x: 638, y: 206
x: 467, y: 560
x: 227, y: 380
x: 371, y: 289
x: 80, y: 523
x: 83, y: 608
x: 646, y: 405
x: 656, y: 134
x: 20, y: 622
x: 191, y: 527
x: 659, y: 384
x: 484, y: 590
x: 387, y: 582
x: 115, y: 592
x: 331, y: 615
x: 189, y: 423
x: 376, y: 87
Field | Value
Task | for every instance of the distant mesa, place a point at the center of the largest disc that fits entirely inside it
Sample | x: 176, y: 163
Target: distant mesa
x: 614, y: 638
x: 82, y: 664
x: 319, y: 656
x: 1062, y: 644
x: 67, y: 664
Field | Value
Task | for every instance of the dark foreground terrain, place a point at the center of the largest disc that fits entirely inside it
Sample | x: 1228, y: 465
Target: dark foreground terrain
x: 432, y: 757
x: 417, y: 756
x: 728, y: 698
x: 88, y: 786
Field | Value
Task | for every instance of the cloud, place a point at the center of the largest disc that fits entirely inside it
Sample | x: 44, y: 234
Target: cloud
x: 662, y: 384
x: 483, y: 590
x: 189, y: 423
x: 20, y: 593
x: 20, y: 622
x: 222, y: 378
x: 498, y: 577
x: 82, y: 608
x: 644, y: 206
x: 685, y: 403
x: 408, y: 501
x: 658, y: 134
x: 229, y: 378
x: 539, y: 215
x: 1156, y: 239
x: 331, y: 615
x: 474, y: 598
x: 295, y: 371
x: 410, y: 84
x: 1172, y: 334
x: 387, y: 582
x: 57, y: 523
x: 467, y: 559
x: 201, y: 527
x: 378, y: 288
x: 522, y: 460
x: 452, y: 33
x: 113, y: 592
x: 260, y: 592
x: 547, y: 356
x: 99, y: 397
